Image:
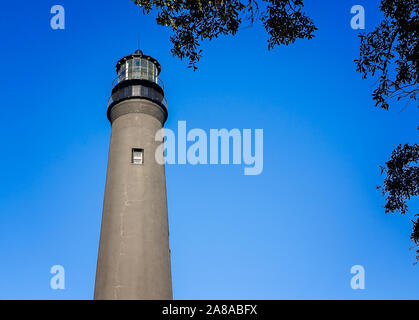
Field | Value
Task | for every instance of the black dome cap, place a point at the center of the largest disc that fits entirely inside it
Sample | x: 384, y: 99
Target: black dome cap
x: 138, y: 54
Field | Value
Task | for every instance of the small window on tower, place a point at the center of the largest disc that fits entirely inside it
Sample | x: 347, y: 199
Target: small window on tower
x: 137, y: 156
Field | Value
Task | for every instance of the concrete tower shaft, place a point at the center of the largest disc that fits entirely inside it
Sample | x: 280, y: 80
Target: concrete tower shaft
x: 134, y: 255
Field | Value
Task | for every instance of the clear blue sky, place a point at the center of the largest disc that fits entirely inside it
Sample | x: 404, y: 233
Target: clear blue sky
x: 292, y: 232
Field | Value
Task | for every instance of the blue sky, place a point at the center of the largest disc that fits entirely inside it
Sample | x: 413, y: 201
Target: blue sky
x: 293, y: 232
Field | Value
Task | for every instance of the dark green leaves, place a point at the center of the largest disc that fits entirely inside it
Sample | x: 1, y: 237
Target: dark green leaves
x: 402, y: 183
x: 285, y: 22
x: 391, y: 52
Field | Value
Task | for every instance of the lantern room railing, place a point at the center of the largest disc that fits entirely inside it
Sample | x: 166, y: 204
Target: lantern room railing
x: 139, y: 91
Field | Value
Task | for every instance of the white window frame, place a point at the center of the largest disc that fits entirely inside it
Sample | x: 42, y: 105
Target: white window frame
x: 135, y: 159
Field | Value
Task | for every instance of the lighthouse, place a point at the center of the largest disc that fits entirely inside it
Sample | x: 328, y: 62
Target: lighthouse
x: 134, y: 255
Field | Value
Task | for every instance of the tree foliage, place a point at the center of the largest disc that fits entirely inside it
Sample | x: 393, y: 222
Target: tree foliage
x: 402, y: 183
x: 415, y: 235
x: 193, y: 21
x: 391, y: 52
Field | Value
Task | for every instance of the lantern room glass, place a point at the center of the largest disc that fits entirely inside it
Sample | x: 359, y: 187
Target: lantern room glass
x: 138, y: 68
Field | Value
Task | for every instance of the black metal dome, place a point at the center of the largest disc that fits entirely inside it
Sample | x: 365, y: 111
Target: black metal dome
x: 138, y: 54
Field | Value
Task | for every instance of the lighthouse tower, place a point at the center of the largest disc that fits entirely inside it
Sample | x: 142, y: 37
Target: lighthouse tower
x: 134, y: 256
